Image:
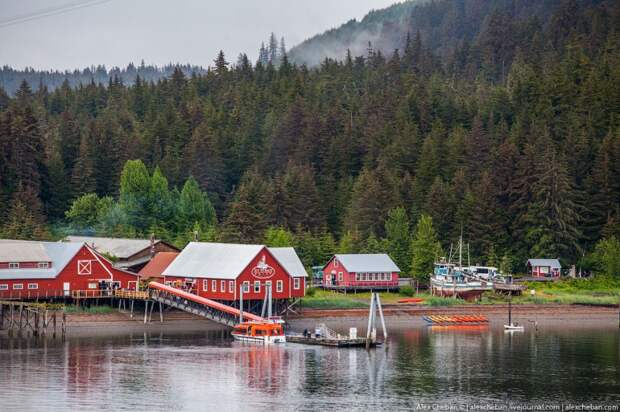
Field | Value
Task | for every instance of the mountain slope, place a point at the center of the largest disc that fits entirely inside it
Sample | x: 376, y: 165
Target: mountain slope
x: 442, y: 25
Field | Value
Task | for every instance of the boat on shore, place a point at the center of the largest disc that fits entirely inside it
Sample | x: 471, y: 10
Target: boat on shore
x: 454, y: 280
x: 259, y: 332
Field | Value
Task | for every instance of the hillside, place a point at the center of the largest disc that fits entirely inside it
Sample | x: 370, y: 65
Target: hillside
x: 443, y: 25
x: 513, y: 139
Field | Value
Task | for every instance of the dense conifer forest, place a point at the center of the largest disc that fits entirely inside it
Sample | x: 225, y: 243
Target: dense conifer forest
x: 511, y: 137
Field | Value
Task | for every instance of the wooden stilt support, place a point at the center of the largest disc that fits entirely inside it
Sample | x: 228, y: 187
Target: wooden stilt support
x: 161, y: 313
x: 146, y: 310
x: 131, y: 313
x: 151, y: 312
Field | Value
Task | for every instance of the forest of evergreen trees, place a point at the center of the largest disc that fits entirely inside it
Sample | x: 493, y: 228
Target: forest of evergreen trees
x: 515, y: 142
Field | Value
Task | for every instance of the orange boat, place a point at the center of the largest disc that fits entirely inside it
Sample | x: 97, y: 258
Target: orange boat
x: 259, y: 332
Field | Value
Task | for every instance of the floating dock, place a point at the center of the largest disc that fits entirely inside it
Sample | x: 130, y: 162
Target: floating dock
x: 334, y: 342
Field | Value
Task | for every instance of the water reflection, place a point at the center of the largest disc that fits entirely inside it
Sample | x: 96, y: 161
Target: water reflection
x: 208, y: 371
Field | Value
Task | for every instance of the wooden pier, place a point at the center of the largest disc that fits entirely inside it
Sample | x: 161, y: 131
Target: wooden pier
x: 40, y: 319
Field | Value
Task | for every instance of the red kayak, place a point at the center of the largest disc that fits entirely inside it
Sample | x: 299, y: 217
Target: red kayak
x: 411, y: 300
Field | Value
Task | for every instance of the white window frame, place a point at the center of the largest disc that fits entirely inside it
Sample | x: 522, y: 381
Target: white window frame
x: 231, y: 286
x: 335, y: 263
x: 296, y: 283
x: 43, y: 265
x: 245, y: 286
x: 84, y: 267
x: 168, y: 283
x: 205, y: 285
x: 257, y: 286
x: 4, y: 286
x: 18, y: 286
x: 33, y: 286
x: 214, y: 285
x: 14, y: 265
x: 279, y: 286
x: 390, y: 276
x: 93, y: 285
x: 340, y: 276
x: 223, y: 286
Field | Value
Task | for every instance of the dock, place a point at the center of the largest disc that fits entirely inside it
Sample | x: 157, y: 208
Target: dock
x: 344, y: 342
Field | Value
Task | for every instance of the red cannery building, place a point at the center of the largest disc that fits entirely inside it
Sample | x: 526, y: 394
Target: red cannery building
x: 220, y: 271
x: 30, y: 269
x: 361, y: 271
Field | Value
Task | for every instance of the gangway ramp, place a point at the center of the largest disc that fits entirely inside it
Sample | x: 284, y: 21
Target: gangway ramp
x: 191, y: 303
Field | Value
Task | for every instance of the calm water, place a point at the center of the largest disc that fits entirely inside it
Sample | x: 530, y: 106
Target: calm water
x: 207, y: 371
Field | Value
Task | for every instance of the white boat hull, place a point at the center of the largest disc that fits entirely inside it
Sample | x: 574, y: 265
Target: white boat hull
x: 259, y: 339
x: 513, y: 328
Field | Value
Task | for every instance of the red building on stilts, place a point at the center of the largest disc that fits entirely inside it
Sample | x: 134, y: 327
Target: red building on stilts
x: 38, y: 270
x: 221, y: 271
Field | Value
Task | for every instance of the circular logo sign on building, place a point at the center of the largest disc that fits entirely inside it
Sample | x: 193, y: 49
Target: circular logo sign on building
x: 262, y: 270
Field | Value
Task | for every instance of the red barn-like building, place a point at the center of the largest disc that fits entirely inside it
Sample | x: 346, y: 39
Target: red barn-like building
x: 361, y: 271
x: 31, y: 269
x: 220, y: 271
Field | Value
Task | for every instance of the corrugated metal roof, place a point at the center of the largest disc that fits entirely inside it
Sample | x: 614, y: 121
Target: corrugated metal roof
x: 554, y: 263
x: 218, y: 260
x: 377, y: 262
x: 59, y: 253
x: 119, y: 247
x: 289, y: 259
x: 155, y: 268
x: 13, y: 251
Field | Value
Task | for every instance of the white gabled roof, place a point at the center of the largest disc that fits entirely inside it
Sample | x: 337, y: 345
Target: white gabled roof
x: 554, y: 263
x: 59, y: 253
x: 288, y: 258
x: 15, y: 251
x: 117, y: 247
x: 378, y: 262
x: 216, y: 260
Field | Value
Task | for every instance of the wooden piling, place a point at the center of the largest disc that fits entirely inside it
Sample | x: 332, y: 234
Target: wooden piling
x: 161, y: 313
x: 146, y: 310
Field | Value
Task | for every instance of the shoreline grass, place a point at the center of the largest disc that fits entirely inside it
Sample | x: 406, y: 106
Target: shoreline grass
x: 598, y: 291
x: 93, y: 310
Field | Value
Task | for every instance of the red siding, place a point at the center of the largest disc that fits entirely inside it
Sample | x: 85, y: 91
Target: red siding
x: 69, y: 274
x: 335, y: 268
x: 280, y: 274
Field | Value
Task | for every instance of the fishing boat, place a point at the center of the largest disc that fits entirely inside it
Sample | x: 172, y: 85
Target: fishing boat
x: 259, y: 332
x: 512, y: 327
x: 453, y: 280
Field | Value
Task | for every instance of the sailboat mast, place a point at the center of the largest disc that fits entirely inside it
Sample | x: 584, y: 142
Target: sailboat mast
x: 510, y: 310
x: 461, y: 251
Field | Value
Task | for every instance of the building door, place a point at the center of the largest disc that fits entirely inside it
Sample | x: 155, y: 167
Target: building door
x: 66, y: 288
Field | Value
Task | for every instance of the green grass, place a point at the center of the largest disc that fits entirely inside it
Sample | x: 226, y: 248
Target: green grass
x: 600, y: 290
x: 89, y: 310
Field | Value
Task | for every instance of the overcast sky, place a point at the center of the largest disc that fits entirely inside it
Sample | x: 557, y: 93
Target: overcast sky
x: 116, y: 32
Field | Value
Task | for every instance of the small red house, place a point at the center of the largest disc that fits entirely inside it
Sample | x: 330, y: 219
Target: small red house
x: 361, y: 271
x: 30, y: 269
x: 220, y: 271
x: 544, y: 268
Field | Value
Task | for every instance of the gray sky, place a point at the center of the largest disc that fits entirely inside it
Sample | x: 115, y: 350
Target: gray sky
x: 116, y: 32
